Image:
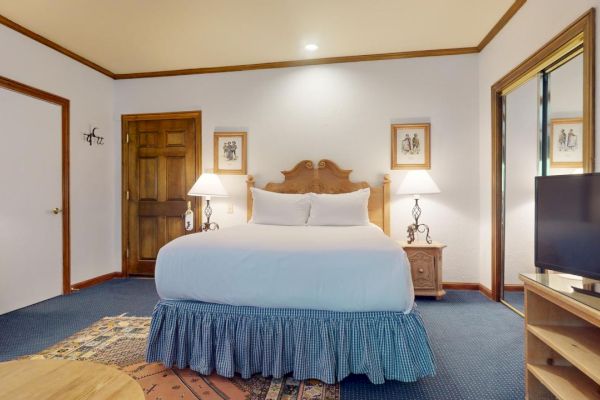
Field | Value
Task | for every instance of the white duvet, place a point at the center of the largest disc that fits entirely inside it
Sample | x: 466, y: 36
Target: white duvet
x: 355, y: 268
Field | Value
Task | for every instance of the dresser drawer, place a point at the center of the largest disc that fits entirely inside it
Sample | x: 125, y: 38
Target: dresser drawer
x: 422, y: 265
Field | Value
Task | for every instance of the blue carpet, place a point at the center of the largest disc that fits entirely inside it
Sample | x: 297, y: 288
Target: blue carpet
x: 515, y: 299
x: 478, y: 344
x: 34, y: 328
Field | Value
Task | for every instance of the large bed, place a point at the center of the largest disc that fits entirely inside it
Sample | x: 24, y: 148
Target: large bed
x: 319, y: 302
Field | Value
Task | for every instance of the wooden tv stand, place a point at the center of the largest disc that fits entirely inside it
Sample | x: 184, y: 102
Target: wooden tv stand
x: 562, y: 339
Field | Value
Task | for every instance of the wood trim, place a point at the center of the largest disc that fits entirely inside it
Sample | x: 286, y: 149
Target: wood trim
x: 270, y: 65
x: 65, y: 126
x: 513, y: 287
x: 96, y: 280
x: 468, y: 286
x: 516, y: 6
x: 301, y: 63
x: 486, y: 292
x: 125, y: 119
x: 47, y: 42
x: 461, y: 285
x: 244, y: 169
x: 583, y: 29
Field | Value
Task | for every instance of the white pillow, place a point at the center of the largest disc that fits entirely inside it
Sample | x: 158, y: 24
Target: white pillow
x: 340, y: 209
x: 273, y: 208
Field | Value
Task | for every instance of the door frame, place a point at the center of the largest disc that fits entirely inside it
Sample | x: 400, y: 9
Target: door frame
x: 580, y: 32
x: 125, y: 120
x: 64, y: 104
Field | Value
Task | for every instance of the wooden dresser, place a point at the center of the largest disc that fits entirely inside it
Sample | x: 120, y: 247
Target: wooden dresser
x: 562, y: 339
x: 426, y: 268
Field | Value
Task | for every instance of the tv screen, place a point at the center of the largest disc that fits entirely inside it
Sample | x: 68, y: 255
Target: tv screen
x: 567, y: 224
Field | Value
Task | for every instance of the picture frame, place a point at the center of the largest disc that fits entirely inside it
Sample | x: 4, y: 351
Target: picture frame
x: 230, y: 153
x: 566, y: 143
x: 411, y: 146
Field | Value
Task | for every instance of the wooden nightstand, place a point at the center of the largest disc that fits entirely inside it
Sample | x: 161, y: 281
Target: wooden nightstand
x: 426, y: 267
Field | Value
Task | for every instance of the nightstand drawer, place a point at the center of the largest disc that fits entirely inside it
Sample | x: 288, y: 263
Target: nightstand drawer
x: 422, y: 266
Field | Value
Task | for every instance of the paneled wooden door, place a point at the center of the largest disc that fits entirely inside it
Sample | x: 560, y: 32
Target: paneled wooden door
x: 161, y: 161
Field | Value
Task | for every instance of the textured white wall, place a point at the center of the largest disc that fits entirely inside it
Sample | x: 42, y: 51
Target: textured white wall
x: 342, y: 112
x: 536, y: 23
x: 94, y: 216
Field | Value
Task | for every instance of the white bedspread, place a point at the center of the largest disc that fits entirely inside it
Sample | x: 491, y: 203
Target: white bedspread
x: 355, y: 268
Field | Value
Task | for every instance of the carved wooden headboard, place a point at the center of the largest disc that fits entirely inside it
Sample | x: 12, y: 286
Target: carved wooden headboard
x: 327, y: 177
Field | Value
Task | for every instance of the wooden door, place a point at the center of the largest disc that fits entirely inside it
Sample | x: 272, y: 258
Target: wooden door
x: 162, y: 163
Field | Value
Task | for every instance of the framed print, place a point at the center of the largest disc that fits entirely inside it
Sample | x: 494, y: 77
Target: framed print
x: 411, y: 146
x: 566, y: 143
x: 230, y: 153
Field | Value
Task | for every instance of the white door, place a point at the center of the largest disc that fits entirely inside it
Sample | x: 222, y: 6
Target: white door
x: 30, y: 185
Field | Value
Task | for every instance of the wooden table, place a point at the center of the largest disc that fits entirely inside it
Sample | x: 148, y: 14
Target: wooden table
x: 65, y: 380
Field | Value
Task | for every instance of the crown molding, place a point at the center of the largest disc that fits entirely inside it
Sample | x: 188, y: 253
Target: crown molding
x: 300, y: 63
x: 47, y: 42
x: 501, y: 23
x: 270, y: 65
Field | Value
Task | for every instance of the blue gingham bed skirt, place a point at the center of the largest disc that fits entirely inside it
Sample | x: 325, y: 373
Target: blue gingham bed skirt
x: 324, y: 345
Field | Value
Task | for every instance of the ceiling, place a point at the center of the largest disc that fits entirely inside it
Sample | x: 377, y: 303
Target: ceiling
x: 129, y: 36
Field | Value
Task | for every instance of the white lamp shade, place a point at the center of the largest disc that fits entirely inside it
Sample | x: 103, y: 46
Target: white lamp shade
x: 208, y: 185
x: 418, y: 182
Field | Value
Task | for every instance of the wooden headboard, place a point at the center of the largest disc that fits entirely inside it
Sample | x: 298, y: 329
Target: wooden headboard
x: 327, y: 177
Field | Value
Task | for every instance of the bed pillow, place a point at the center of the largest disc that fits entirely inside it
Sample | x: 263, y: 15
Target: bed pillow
x: 340, y: 209
x: 271, y: 208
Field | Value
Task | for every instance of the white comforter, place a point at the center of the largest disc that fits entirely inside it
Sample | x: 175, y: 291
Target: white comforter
x: 354, y: 268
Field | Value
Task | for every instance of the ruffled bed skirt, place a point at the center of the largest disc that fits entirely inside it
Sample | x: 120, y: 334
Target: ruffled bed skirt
x: 312, y: 344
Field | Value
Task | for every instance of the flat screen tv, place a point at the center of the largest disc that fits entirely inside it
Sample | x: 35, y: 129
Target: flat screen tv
x: 567, y: 224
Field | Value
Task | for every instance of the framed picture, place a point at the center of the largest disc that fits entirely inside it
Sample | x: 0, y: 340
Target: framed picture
x: 411, y: 146
x: 566, y: 143
x: 230, y: 153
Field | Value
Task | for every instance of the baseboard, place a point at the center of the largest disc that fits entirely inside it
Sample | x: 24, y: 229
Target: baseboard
x: 469, y: 286
x: 513, y: 287
x: 96, y: 280
x: 460, y: 285
x: 486, y: 292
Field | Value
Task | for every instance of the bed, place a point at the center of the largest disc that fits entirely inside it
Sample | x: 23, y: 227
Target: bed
x: 319, y: 302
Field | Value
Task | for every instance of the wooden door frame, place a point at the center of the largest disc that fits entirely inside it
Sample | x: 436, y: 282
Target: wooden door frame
x: 583, y: 30
x: 64, y: 104
x: 125, y: 120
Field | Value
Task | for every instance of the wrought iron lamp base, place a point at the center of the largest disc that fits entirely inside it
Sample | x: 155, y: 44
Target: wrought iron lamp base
x: 420, y: 228
x: 208, y: 226
x: 416, y: 227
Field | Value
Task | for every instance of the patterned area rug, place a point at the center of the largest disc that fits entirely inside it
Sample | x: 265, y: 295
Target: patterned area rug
x: 121, y: 341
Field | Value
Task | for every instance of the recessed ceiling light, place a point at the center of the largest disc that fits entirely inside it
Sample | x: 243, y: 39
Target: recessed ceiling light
x: 311, y: 47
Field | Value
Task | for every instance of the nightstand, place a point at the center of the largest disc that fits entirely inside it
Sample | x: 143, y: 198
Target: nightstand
x: 426, y: 268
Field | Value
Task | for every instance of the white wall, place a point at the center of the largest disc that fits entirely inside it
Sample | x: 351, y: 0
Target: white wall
x: 342, y: 112
x: 94, y: 171
x: 536, y: 23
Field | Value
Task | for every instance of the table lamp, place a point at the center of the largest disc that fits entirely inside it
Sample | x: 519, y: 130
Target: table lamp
x: 207, y: 186
x: 416, y: 183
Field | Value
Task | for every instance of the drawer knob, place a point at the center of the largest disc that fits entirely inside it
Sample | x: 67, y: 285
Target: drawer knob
x: 421, y: 270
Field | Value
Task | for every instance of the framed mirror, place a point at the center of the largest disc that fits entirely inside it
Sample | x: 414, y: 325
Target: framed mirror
x: 542, y: 124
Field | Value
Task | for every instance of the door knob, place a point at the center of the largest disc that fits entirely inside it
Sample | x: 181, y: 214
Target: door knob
x: 56, y: 210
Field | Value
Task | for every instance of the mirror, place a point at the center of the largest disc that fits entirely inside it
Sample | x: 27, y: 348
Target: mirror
x: 565, y: 114
x: 522, y: 160
x: 542, y: 135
